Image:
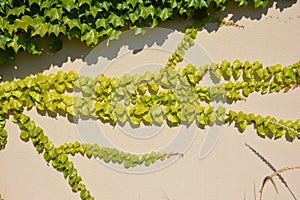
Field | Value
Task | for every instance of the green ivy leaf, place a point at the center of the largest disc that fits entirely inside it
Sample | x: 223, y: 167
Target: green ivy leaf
x: 114, y: 34
x: 173, y: 118
x: 140, y: 109
x: 35, y: 132
x: 106, y: 5
x: 101, y: 22
x: 115, y: 20
x: 147, y: 11
x: 90, y: 37
x: 24, y: 135
x: 17, y: 11
x: 127, y: 164
x: 23, y: 23
x: 261, y: 130
x: 246, y: 91
x: 279, y: 133
x: 72, y: 23
x: 236, y: 69
x: 134, y: 16
x: 53, y: 14
x: 3, y: 41
x: 132, y: 2
x: 49, y: 145
x: 165, y: 13
x: 201, y: 119
x: 62, y: 158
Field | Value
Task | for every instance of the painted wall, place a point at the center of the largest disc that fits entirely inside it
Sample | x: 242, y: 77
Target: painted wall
x: 231, y: 171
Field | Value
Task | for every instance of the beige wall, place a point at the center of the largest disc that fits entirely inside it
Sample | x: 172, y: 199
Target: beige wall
x: 230, y: 171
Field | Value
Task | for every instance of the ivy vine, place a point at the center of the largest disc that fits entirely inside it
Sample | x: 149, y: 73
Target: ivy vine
x: 170, y: 94
x: 24, y: 23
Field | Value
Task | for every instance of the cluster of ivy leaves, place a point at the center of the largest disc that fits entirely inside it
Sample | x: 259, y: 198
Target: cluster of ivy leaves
x: 176, y: 96
x: 24, y: 23
x: 171, y: 95
x: 58, y: 157
x: 167, y: 94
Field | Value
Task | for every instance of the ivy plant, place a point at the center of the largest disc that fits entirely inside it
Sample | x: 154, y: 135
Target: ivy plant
x: 25, y: 23
x: 169, y: 94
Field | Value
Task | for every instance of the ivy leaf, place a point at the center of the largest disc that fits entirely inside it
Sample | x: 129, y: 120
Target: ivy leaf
x: 106, y: 5
x: 242, y: 125
x: 154, y: 22
x: 17, y: 11
x: 173, y: 118
x: 24, y: 135
x: 134, y: 16
x: 165, y: 13
x: 55, y: 29
x: 23, y: 23
x: 72, y: 23
x: 115, y: 20
x: 236, y: 69
x: 147, y: 118
x: 114, y: 34
x: 279, y: 133
x: 90, y: 37
x: 290, y: 135
x: 14, y: 43
x: 39, y: 28
x: 68, y: 5
x: 62, y: 158
x: 243, y: 2
x: 262, y: 3
x: 189, y: 117
x: 201, y: 119
x: 3, y: 41
x: 146, y: 11
x: 54, y: 14
x: 192, y: 3
x: 127, y: 164
x: 16, y: 104
x: 174, y: 3
x: 2, y: 123
x: 140, y: 109
x: 218, y: 2
x: 35, y: 132
x: 208, y: 109
x: 261, y: 130
x: 101, y: 22
x: 132, y: 2
x: 246, y: 91
x: 135, y: 120
x: 45, y: 4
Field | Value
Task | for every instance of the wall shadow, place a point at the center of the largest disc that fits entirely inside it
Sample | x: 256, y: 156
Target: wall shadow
x: 26, y: 64
x: 271, y: 167
x: 249, y: 12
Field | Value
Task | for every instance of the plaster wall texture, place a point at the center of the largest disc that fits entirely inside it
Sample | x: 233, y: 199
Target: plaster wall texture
x: 230, y: 171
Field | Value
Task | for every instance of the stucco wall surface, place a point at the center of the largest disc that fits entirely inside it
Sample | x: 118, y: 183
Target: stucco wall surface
x: 231, y: 170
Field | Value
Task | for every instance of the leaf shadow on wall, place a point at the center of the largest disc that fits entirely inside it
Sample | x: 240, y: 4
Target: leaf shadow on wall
x: 26, y: 64
x: 263, y: 159
x: 249, y: 12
